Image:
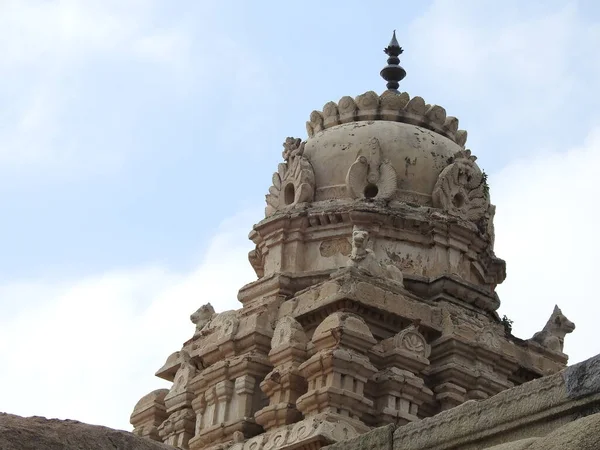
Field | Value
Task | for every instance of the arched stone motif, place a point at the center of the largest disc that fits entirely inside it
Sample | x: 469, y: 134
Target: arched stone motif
x: 288, y: 331
x: 489, y: 338
x: 294, y: 181
x: 460, y: 189
x: 369, y: 176
x: 412, y: 340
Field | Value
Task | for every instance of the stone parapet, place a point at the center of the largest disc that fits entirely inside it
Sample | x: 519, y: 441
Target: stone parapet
x: 553, y: 412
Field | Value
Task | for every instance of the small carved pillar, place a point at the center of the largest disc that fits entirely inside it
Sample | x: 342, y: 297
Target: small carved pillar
x: 178, y: 429
x: 284, y: 384
x: 451, y: 372
x: 223, y: 392
x: 199, y: 405
x: 338, y: 371
x: 398, y: 388
x: 245, y: 387
x: 149, y: 413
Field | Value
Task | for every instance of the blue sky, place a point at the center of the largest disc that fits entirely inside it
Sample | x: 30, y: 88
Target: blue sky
x: 138, y: 139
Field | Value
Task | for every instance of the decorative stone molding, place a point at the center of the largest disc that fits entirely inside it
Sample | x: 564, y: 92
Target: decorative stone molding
x: 389, y: 106
x: 460, y: 189
x: 553, y: 334
x: 370, y: 177
x: 284, y: 384
x: 294, y: 181
x: 339, y: 370
x: 520, y: 410
x: 398, y: 395
x: 310, y: 433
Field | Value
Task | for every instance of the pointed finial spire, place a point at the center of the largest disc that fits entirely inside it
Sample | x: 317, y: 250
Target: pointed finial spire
x: 393, y: 73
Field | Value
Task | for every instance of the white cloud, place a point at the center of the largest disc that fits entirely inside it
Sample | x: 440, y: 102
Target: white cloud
x: 88, y: 349
x: 546, y: 222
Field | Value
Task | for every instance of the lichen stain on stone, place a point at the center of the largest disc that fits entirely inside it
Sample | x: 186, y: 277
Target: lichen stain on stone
x: 334, y: 247
x: 409, y: 162
x: 407, y: 263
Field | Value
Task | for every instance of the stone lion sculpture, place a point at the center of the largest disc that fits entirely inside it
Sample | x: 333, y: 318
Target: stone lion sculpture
x: 553, y: 334
x: 363, y: 258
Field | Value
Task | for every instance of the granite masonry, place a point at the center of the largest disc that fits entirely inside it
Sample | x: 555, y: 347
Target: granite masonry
x: 373, y: 320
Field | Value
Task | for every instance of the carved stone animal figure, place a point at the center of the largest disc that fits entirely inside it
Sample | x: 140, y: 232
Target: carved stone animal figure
x: 363, y: 257
x: 553, y: 334
x: 202, y: 316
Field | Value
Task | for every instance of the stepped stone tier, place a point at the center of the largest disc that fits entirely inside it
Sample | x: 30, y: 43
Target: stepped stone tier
x: 375, y: 297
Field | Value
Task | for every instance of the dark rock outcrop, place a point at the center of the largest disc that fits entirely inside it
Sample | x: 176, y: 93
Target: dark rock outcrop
x: 37, y: 433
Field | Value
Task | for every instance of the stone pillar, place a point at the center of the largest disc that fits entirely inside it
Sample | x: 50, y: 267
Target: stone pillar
x: 338, y: 371
x: 244, y: 396
x: 178, y: 429
x: 399, y: 389
x: 284, y: 384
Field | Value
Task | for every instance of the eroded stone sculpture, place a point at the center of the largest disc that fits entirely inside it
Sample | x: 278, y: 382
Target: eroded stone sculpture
x: 202, y: 316
x: 370, y: 176
x: 362, y: 257
x: 460, y: 189
x: 553, y: 334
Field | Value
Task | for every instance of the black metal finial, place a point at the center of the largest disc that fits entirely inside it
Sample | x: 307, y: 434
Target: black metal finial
x: 393, y: 73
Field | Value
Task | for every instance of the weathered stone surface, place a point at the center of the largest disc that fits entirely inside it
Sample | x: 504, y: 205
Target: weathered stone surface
x: 582, y: 434
x: 37, y: 433
x: 583, y: 379
x: 376, y: 304
x: 377, y: 439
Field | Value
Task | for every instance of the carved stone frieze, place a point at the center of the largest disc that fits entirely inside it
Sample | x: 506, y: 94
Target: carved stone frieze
x: 370, y: 176
x: 461, y: 190
x: 294, y: 181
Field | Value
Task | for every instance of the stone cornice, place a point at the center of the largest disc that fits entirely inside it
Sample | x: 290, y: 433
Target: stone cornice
x: 390, y: 106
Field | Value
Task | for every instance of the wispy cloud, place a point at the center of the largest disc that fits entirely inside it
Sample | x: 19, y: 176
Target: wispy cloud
x: 88, y: 348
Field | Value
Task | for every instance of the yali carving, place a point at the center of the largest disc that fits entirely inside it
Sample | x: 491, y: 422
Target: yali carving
x: 294, y: 181
x: 370, y: 176
x: 460, y: 188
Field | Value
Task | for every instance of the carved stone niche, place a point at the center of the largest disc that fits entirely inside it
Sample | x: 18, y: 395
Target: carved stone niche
x: 149, y: 413
x: 284, y: 384
x: 371, y: 177
x: 398, y: 389
x: 339, y: 370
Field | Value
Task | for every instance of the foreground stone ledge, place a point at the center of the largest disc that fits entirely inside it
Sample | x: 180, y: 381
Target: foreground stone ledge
x: 554, y: 412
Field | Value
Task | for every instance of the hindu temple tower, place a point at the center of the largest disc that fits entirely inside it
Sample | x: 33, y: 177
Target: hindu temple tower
x: 375, y: 297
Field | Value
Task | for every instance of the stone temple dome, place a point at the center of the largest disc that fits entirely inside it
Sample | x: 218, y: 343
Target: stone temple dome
x: 375, y: 300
